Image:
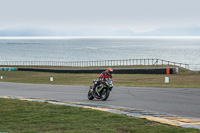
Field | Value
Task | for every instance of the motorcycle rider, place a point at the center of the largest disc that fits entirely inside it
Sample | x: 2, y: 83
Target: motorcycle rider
x: 103, y: 77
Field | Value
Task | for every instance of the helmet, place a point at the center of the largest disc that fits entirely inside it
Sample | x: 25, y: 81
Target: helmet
x: 109, y: 71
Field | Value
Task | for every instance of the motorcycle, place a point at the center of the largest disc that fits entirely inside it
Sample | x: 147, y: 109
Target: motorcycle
x: 104, y: 93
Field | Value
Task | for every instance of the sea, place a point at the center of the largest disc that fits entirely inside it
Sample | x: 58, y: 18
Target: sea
x: 175, y: 49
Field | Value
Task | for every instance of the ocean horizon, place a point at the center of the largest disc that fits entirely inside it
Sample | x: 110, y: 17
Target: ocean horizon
x: 76, y: 37
x: 183, y: 49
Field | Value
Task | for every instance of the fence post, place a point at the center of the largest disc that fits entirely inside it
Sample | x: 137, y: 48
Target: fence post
x: 124, y: 62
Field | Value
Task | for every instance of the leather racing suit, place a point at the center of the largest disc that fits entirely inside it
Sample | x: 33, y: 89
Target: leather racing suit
x: 103, y: 77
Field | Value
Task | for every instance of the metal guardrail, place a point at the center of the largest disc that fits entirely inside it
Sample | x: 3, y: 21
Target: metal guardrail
x: 124, y: 62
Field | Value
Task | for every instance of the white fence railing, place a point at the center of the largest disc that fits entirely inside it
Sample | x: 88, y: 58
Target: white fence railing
x: 124, y: 62
x: 194, y: 67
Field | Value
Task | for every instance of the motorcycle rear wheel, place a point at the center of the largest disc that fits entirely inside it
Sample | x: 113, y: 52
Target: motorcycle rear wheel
x: 105, y: 94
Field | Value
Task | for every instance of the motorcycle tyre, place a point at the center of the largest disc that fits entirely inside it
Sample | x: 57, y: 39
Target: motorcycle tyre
x: 107, y: 95
x: 90, y: 96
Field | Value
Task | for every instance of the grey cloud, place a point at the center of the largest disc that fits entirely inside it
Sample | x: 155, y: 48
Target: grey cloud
x: 98, y: 13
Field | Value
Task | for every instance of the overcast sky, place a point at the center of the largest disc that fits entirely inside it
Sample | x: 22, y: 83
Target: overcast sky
x: 136, y: 15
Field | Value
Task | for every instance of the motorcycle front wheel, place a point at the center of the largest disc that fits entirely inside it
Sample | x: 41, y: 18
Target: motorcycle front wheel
x: 105, y: 94
x: 90, y: 96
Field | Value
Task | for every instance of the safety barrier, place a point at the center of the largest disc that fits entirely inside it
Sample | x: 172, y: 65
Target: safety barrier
x: 116, y: 71
x: 124, y: 62
x: 7, y: 69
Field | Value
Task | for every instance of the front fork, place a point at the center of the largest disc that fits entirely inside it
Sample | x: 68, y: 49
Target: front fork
x: 95, y: 91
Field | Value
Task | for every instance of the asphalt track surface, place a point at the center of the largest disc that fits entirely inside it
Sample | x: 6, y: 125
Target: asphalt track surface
x: 178, y: 101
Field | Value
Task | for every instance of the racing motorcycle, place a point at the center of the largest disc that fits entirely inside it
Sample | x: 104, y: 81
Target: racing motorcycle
x: 104, y: 93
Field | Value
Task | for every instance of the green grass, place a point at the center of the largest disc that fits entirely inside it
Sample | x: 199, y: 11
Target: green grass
x: 185, y: 78
x: 33, y: 117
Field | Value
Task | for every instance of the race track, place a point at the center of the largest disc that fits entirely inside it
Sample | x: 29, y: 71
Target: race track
x: 178, y: 101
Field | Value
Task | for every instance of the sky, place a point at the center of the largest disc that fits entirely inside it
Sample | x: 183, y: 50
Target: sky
x: 135, y: 15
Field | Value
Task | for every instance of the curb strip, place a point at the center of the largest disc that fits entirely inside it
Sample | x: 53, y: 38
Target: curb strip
x: 168, y: 119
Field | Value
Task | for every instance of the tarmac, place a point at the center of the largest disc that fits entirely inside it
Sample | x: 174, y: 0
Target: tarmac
x: 172, y: 106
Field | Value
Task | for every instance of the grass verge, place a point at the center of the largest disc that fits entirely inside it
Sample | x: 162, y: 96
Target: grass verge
x: 184, y: 79
x: 33, y: 117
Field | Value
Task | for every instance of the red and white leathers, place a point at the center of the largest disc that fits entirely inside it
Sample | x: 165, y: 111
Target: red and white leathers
x: 104, y: 76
